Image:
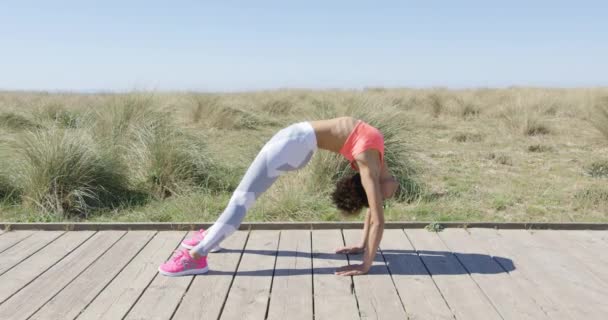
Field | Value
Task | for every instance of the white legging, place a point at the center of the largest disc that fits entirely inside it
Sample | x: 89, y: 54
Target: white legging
x: 290, y: 149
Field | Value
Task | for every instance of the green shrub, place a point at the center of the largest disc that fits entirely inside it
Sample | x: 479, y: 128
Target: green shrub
x: 66, y: 173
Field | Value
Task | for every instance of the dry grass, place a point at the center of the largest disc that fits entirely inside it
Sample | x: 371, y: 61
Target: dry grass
x: 540, y: 148
x: 599, y: 116
x: 467, y: 137
x: 516, y: 154
x: 15, y: 122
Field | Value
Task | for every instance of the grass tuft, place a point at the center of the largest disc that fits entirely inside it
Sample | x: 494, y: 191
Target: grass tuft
x: 276, y: 107
x: 203, y: 104
x: 434, y: 227
x: 220, y: 116
x: 117, y: 121
x: 539, y: 148
x: 592, y: 196
x: 533, y: 126
x: 467, y: 137
x: 165, y: 161
x: 59, y: 117
x: 14, y: 121
x: 436, y: 104
x: 7, y: 188
x: 468, y: 109
x: 598, y: 169
x: 600, y: 116
x: 66, y: 173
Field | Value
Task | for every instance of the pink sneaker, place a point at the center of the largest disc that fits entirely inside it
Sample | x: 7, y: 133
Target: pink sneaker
x: 195, y: 239
x: 182, y: 264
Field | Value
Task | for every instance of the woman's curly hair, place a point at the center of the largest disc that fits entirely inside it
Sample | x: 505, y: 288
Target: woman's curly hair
x: 349, y: 195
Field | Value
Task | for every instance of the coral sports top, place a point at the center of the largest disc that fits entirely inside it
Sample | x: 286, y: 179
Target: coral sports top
x: 362, y: 138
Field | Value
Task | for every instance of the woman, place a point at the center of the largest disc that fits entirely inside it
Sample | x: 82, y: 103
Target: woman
x: 291, y: 149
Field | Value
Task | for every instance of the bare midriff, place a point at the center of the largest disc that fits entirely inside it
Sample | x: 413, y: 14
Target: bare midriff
x: 331, y: 134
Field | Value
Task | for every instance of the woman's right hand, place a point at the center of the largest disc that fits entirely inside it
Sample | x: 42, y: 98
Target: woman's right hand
x: 351, y: 250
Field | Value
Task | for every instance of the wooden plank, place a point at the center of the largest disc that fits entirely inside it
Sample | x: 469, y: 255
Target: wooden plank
x: 546, y: 269
x: 19, y: 252
x: 579, y: 284
x: 17, y: 278
x: 291, y: 294
x: 184, y: 226
x: 9, y: 239
x: 333, y: 296
x: 248, y: 296
x: 495, y: 282
x: 461, y: 293
x: 119, y: 296
x: 162, y: 296
x: 206, y: 295
x: 376, y: 293
x: 79, y: 293
x: 594, y: 241
x: 418, y: 292
x: 594, y: 260
x: 27, y: 301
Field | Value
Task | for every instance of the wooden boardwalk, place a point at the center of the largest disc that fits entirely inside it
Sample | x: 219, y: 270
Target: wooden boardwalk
x: 288, y: 274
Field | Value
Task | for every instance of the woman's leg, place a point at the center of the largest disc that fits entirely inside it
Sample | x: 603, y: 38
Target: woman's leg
x: 288, y: 150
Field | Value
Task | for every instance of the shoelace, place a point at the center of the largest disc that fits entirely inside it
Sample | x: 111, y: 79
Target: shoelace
x: 178, y: 255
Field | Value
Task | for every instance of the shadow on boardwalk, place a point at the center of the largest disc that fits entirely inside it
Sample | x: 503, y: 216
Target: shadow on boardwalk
x: 408, y: 262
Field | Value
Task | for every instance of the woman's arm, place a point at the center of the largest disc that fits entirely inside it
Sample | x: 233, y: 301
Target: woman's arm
x: 361, y: 246
x: 388, y: 182
x: 370, y: 169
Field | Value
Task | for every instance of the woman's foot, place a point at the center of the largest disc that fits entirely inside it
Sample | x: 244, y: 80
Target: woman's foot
x: 182, y: 264
x: 196, y: 239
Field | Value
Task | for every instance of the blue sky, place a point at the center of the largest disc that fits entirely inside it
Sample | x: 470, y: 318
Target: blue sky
x: 251, y: 45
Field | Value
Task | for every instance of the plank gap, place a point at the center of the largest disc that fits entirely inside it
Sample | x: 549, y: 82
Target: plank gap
x: 352, y: 281
x: 236, y: 270
x: 151, y: 280
x: 47, y: 269
x: 78, y: 275
x: 274, y: 268
x: 429, y: 272
x: 117, y: 274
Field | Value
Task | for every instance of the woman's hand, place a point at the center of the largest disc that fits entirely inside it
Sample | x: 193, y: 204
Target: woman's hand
x: 351, y: 249
x: 352, y: 270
